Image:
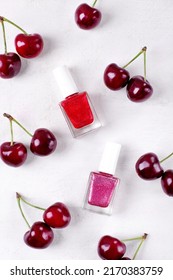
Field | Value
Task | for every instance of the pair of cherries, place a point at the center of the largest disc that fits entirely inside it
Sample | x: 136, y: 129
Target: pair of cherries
x: 138, y: 88
x: 148, y: 167
x: 27, y: 46
x: 43, y: 143
x: 40, y: 234
x: 111, y: 248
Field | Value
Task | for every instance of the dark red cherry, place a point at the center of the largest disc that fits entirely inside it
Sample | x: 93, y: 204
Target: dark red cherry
x: 87, y: 17
x: 139, y: 89
x: 125, y: 258
x: 57, y: 215
x: 43, y: 142
x: 29, y: 45
x: 148, y: 167
x: 167, y: 182
x: 13, y: 154
x: 110, y: 248
x: 116, y: 77
x: 40, y: 236
x: 10, y: 65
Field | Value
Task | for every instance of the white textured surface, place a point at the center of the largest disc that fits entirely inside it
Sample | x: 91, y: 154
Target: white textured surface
x: 32, y: 98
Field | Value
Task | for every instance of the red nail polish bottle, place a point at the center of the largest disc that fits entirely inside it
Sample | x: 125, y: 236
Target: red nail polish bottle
x: 76, y: 106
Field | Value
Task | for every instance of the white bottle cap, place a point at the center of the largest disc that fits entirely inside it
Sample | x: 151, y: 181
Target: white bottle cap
x: 109, y: 158
x: 65, y: 81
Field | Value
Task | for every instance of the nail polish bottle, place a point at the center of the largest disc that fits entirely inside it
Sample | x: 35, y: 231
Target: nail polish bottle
x: 76, y: 106
x: 102, y: 184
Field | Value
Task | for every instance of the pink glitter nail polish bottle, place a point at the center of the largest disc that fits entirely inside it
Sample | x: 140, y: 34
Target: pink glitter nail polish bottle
x: 102, y: 184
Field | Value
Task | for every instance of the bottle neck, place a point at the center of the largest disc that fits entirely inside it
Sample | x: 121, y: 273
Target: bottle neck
x: 73, y: 94
x: 107, y: 174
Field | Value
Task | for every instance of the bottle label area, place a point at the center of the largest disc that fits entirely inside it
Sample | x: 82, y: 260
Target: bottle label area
x: 100, y: 192
x: 79, y: 114
x: 78, y: 110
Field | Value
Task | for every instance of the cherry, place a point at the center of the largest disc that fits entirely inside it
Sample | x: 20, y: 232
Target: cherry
x: 10, y: 65
x: 13, y: 154
x: 87, y: 17
x: 139, y: 89
x: 10, y: 62
x: 39, y: 236
x: 116, y: 77
x: 148, y: 167
x: 110, y: 248
x: 57, y: 215
x: 43, y: 142
x: 29, y: 45
x: 167, y: 182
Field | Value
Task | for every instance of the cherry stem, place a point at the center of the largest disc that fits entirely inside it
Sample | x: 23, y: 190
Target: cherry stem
x: 18, y: 196
x: 14, y: 24
x: 170, y: 155
x: 145, y: 63
x: 93, y: 5
x: 141, y: 52
x: 14, y: 120
x: 135, y: 238
x: 140, y: 244
x: 32, y: 205
x: 4, y: 36
x: 11, y: 131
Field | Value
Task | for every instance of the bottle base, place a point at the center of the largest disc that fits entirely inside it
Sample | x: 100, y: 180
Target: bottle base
x: 96, y: 209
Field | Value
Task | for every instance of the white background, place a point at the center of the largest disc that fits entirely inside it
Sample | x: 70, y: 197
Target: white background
x: 32, y: 97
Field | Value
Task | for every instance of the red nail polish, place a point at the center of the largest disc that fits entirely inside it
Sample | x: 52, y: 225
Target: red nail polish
x: 102, y: 184
x: 76, y: 106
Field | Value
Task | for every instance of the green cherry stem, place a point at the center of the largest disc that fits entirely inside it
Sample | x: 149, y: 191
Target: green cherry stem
x: 18, y: 197
x: 140, y: 244
x: 93, y: 5
x: 145, y: 62
x: 14, y: 120
x: 14, y: 24
x: 131, y: 239
x: 4, y: 36
x: 32, y: 205
x: 11, y: 131
x: 136, y: 56
x: 170, y: 155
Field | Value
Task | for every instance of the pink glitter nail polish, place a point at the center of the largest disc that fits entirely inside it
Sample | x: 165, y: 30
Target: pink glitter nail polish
x: 102, y: 184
